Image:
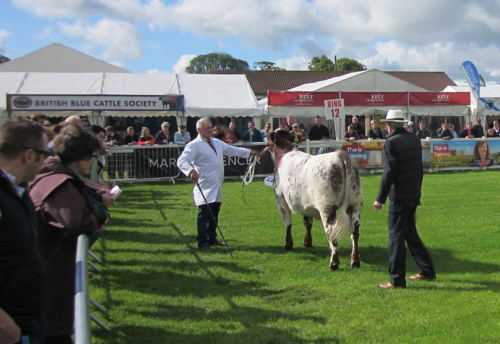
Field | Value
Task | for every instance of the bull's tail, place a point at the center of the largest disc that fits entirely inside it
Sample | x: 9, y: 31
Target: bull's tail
x: 342, y: 221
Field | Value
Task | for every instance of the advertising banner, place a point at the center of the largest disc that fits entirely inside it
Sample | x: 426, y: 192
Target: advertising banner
x: 369, y: 98
x: 465, y: 153
x: 473, y: 77
x: 299, y: 98
x: 439, y: 98
x: 367, y: 154
x: 375, y: 98
x: 33, y: 102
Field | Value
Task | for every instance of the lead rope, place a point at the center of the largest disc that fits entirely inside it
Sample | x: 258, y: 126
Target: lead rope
x: 248, y: 177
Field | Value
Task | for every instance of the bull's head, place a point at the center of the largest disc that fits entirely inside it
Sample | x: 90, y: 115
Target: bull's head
x: 281, y: 139
x: 279, y: 143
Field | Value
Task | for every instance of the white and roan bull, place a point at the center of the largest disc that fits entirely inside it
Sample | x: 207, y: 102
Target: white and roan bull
x: 325, y: 187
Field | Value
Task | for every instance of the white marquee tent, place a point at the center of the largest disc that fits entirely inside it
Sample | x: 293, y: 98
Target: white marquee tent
x: 204, y: 95
x: 58, y: 58
x: 371, y: 80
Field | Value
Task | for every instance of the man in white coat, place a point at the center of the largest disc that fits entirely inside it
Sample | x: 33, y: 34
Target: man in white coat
x: 202, y: 161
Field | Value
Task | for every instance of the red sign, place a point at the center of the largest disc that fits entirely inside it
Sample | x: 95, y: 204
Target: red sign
x: 299, y: 98
x: 439, y: 98
x: 369, y: 98
x: 375, y: 98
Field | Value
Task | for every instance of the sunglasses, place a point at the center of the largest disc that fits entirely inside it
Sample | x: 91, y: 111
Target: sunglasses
x: 40, y: 151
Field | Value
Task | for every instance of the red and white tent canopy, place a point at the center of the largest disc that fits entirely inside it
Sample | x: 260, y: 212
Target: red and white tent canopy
x: 366, y: 92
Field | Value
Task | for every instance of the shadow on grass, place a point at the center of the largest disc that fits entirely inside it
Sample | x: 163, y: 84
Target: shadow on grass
x: 199, y: 279
x: 255, y: 333
x: 146, y: 236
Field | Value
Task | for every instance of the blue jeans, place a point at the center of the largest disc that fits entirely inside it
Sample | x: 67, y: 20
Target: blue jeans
x: 206, y: 224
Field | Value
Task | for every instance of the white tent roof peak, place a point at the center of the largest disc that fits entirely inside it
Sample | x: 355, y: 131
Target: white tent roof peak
x: 58, y: 58
x: 371, y: 80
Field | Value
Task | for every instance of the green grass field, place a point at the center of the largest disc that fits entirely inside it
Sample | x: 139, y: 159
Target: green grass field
x: 160, y: 289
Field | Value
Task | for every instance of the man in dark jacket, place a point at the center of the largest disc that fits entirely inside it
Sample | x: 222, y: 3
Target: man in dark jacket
x: 402, y: 182
x: 375, y: 132
x: 477, y: 129
x: 252, y: 134
x: 23, y: 147
x: 318, y: 131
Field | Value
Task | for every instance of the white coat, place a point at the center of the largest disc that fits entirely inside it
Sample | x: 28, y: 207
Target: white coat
x: 209, y: 165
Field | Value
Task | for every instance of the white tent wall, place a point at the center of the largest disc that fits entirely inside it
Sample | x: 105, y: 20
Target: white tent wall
x: 204, y: 94
x: 9, y: 83
x: 218, y: 95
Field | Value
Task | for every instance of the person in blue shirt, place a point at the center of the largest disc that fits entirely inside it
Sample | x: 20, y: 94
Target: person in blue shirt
x: 182, y: 136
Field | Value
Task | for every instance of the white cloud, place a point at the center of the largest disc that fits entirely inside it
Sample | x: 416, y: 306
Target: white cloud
x: 118, y: 40
x: 3, y: 35
x: 294, y: 63
x: 182, y: 63
x: 424, y: 35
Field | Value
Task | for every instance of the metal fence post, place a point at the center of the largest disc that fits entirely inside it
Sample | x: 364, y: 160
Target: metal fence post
x: 81, y: 315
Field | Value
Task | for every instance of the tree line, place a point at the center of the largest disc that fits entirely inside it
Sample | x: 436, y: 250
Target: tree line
x: 203, y: 64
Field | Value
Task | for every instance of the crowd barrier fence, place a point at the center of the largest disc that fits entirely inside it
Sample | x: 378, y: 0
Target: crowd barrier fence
x: 82, y: 300
x: 159, y: 162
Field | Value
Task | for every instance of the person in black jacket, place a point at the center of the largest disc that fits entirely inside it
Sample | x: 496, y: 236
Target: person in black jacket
x: 23, y: 148
x: 402, y: 182
x: 375, y: 132
x: 318, y: 131
x: 477, y: 129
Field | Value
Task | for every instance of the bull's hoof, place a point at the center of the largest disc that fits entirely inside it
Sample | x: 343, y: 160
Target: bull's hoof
x: 334, y: 267
x: 288, y: 247
x: 355, y: 265
x: 308, y: 244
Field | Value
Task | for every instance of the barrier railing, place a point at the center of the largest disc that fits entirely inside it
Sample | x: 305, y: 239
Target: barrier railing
x: 157, y: 162
x: 82, y: 299
x: 81, y: 316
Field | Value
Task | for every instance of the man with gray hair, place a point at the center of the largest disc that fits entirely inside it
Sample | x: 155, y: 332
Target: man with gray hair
x: 402, y: 182
x: 202, y: 161
x: 73, y: 120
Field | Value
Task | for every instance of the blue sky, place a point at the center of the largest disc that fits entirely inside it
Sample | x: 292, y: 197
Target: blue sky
x: 148, y: 35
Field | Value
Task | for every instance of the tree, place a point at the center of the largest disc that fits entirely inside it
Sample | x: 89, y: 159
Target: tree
x: 202, y: 64
x: 321, y: 63
x: 266, y: 65
x: 345, y: 64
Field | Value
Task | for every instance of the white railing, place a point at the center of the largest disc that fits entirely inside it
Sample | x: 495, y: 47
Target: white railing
x: 82, y: 299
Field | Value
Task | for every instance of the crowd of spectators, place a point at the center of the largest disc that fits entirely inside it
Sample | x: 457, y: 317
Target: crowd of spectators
x: 47, y: 200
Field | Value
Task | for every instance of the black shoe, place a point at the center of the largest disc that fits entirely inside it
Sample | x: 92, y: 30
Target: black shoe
x: 204, y: 247
x: 216, y: 242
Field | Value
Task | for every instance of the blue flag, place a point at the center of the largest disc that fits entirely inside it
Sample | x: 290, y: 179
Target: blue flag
x: 473, y: 77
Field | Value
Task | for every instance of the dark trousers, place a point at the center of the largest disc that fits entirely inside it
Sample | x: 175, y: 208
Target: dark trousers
x: 206, y: 224
x: 402, y: 229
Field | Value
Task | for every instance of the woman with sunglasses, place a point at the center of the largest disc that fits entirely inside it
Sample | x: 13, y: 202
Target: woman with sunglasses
x: 66, y: 208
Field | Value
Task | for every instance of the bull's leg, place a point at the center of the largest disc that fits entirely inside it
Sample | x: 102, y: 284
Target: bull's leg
x: 354, y: 218
x: 329, y: 216
x: 334, y: 257
x: 286, y: 215
x: 308, y: 222
x: 288, y: 238
x: 355, y: 260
